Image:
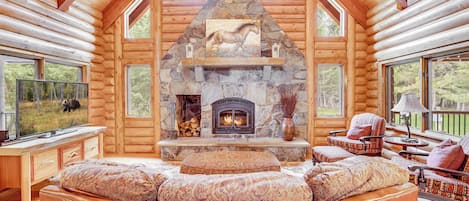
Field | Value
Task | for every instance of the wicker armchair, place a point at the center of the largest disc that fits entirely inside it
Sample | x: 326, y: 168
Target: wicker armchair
x: 367, y: 145
x: 434, y: 186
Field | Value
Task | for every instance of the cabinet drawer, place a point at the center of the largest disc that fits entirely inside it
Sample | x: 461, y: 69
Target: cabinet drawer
x: 91, y: 146
x: 71, y: 154
x: 45, y: 164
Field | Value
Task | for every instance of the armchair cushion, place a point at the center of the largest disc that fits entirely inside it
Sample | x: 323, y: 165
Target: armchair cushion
x: 446, y: 155
x: 359, y: 131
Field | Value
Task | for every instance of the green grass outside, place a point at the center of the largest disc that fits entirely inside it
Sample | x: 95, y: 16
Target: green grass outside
x: 50, y: 116
x: 328, y: 112
x: 453, y: 125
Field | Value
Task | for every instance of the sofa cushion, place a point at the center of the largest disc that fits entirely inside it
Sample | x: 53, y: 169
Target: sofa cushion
x: 447, y: 154
x: 330, y: 153
x: 226, y: 162
x: 272, y: 186
x: 113, y: 180
x: 352, y: 176
x: 359, y: 131
x: 436, y: 184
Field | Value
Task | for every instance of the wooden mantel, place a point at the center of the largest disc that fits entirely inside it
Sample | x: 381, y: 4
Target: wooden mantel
x: 231, y: 62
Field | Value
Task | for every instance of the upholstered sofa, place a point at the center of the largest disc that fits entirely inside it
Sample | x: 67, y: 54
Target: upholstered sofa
x: 436, y: 182
x: 266, y: 185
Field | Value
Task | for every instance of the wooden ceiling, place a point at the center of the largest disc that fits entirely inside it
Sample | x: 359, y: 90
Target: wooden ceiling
x: 97, y: 4
x: 114, y: 8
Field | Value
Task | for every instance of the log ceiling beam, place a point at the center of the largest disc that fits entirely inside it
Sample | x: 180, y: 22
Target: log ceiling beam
x: 63, y: 5
x: 357, y: 10
x: 330, y: 9
x: 114, y: 10
x: 138, y: 12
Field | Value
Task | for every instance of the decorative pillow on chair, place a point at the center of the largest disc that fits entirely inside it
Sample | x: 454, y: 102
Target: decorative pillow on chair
x: 359, y: 131
x: 448, y: 155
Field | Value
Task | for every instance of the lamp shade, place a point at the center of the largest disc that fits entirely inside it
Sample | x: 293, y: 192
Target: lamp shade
x: 409, y: 103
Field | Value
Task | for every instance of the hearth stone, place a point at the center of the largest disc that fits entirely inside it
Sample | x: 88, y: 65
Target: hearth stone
x: 177, y: 150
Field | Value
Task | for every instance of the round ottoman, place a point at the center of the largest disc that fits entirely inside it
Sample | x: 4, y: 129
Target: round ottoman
x: 229, y: 162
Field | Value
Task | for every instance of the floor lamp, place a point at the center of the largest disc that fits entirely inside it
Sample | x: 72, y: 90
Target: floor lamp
x: 409, y: 103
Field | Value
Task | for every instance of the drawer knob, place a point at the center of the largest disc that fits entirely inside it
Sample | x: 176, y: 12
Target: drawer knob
x: 73, y: 154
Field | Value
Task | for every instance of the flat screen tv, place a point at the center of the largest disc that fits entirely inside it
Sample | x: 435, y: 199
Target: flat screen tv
x: 46, y: 107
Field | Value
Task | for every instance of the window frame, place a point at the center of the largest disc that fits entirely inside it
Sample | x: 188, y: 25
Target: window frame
x: 343, y: 95
x: 425, y: 72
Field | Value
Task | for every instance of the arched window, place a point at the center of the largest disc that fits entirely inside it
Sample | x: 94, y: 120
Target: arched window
x: 330, y: 19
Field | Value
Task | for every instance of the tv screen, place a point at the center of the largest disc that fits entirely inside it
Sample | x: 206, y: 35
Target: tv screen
x: 45, y: 106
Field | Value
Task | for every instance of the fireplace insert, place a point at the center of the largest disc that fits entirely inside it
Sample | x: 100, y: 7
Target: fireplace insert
x: 233, y: 116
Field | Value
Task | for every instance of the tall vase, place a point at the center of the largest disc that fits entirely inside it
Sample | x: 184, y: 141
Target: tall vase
x: 287, y: 131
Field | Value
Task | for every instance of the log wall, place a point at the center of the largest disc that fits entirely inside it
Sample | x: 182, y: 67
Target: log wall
x: 138, y: 136
x: 37, y: 29
x: 395, y: 35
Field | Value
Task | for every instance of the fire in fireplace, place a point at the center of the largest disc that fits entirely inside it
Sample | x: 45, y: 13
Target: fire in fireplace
x: 233, y: 116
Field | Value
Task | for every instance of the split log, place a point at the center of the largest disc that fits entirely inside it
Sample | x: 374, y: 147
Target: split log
x: 443, y: 24
x: 21, y: 27
x: 32, y: 44
x: 15, y: 11
x: 424, y: 18
x: 407, y: 14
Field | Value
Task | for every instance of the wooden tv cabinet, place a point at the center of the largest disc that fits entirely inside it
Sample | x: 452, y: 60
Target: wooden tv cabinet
x: 27, y: 163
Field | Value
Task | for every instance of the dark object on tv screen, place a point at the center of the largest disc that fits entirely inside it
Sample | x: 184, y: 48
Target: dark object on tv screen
x: 49, y: 106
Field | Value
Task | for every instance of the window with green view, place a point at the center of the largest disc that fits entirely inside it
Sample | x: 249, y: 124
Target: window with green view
x: 329, y: 93
x: 404, y: 78
x: 330, y: 19
x: 60, y: 72
x: 139, y: 90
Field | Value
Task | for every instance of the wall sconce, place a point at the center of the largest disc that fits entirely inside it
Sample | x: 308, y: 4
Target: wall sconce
x: 189, y: 50
x: 275, y: 50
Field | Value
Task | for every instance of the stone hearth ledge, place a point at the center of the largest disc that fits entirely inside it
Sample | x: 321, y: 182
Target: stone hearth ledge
x: 178, y: 149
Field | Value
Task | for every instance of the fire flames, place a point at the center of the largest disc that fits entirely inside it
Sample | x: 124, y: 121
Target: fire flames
x: 228, y: 120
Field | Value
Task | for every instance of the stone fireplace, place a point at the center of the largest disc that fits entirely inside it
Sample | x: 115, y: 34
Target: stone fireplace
x: 236, y: 97
x: 233, y: 116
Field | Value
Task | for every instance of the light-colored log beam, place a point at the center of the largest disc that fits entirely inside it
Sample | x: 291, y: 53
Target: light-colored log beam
x: 63, y: 5
x: 113, y: 11
x: 357, y: 10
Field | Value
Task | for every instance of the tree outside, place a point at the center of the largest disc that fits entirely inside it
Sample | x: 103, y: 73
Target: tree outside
x: 139, y: 91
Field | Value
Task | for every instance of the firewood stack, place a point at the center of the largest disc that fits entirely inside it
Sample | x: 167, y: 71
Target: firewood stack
x: 189, y: 128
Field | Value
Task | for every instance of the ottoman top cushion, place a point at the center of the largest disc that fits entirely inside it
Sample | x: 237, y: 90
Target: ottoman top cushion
x: 225, y: 162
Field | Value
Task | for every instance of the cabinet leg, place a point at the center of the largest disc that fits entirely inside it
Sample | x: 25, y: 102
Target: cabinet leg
x: 26, y: 177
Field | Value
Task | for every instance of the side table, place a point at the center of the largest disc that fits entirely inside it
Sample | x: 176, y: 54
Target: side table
x: 398, y: 141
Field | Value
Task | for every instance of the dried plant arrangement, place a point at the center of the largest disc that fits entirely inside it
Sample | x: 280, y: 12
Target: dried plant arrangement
x: 288, y: 99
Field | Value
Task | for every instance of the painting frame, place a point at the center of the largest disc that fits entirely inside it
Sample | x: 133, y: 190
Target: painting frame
x: 233, y: 38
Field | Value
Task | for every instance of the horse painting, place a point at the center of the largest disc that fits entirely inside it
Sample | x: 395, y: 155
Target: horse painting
x: 234, y: 42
